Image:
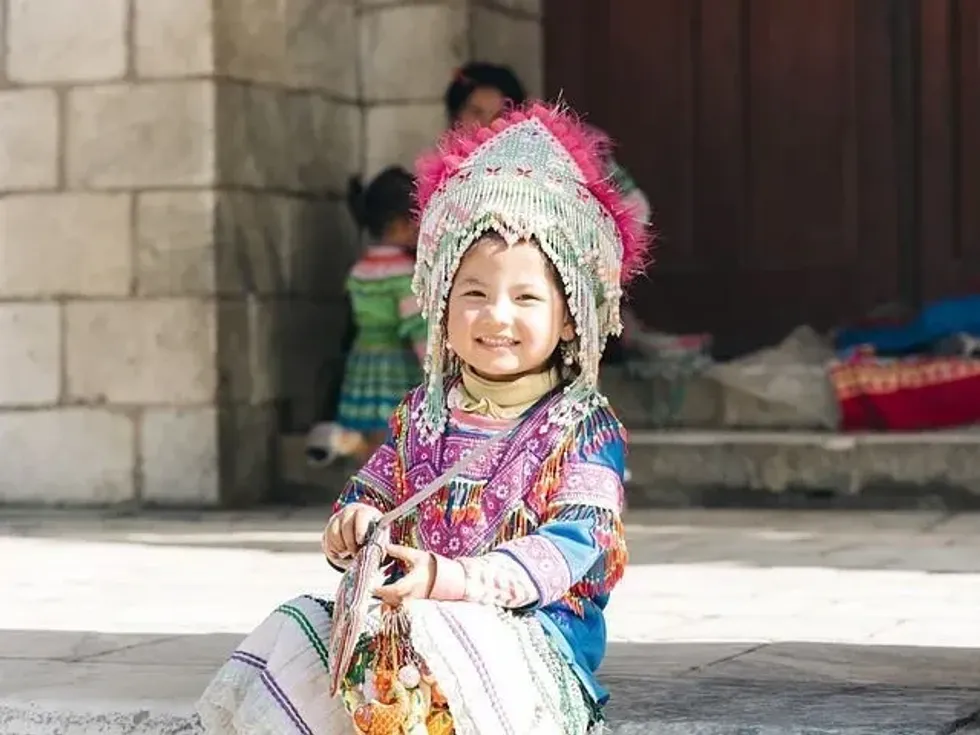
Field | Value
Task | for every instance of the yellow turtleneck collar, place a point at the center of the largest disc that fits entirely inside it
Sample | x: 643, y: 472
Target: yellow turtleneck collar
x: 504, y: 400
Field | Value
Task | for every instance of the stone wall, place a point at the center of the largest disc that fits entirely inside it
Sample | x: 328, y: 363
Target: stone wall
x: 409, y: 49
x: 173, y: 237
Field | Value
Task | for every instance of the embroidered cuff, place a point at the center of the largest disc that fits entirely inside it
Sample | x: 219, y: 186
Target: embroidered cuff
x: 450, y: 581
x: 590, y: 484
x: 496, y: 579
x: 544, y: 564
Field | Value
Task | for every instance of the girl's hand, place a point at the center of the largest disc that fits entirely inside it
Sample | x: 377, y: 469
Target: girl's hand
x: 417, y: 582
x: 346, y: 529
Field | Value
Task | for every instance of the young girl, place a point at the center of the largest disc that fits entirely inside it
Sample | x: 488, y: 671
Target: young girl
x: 492, y: 618
x: 383, y: 364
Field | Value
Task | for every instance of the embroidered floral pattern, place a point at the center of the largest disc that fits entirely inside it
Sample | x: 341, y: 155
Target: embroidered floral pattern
x: 544, y: 563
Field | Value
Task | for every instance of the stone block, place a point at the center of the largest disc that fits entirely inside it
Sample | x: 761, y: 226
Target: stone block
x: 248, y: 439
x: 321, y: 46
x: 179, y: 456
x: 396, y: 134
x: 280, y: 139
x: 325, y: 142
x: 66, y: 41
x: 251, y: 136
x: 250, y: 40
x: 273, y: 244
x: 67, y: 455
x: 247, y: 357
x: 174, y: 38
x: 30, y: 354
x: 141, y: 352
x: 507, y: 39
x: 175, y: 242
x: 399, y: 64
x: 126, y: 135
x: 322, y: 247
x: 263, y: 332
x: 65, y: 244
x: 310, y: 335
x: 252, y: 232
x: 28, y: 139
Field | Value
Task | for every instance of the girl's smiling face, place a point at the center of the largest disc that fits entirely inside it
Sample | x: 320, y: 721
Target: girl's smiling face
x: 506, y: 311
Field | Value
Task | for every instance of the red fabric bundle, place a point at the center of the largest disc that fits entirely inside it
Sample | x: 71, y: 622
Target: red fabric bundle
x: 910, y: 394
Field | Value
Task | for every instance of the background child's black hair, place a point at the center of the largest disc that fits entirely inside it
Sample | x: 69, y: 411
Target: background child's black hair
x: 388, y: 197
x: 478, y: 74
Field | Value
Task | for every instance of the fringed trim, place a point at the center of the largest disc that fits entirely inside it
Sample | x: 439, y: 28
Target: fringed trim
x: 573, y: 601
x: 598, y: 428
x: 466, y: 507
x: 516, y: 524
x: 606, y: 573
x: 399, y: 422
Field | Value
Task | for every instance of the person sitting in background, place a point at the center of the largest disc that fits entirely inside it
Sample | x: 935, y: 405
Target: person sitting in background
x: 480, y: 92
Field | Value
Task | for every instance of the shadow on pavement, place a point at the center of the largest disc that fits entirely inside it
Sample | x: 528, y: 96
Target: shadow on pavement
x: 656, y: 687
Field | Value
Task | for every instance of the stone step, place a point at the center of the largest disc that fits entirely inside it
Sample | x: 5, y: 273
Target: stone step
x: 656, y: 688
x: 692, y: 468
x: 802, y: 468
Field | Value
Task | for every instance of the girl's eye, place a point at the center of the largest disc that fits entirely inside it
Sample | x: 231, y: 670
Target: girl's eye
x: 528, y: 297
x: 474, y: 292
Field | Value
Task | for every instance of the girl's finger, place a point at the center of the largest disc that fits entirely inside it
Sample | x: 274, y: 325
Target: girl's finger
x: 332, y: 541
x: 403, y: 553
x: 349, y: 532
x: 395, y: 592
x: 361, y: 523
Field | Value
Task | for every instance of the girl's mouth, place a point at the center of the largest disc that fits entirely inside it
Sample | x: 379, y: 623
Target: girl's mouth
x: 496, y: 341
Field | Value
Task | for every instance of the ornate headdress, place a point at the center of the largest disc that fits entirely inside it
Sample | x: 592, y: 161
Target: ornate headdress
x: 537, y: 172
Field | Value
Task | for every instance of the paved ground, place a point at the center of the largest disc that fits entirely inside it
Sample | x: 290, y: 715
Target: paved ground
x: 726, y: 621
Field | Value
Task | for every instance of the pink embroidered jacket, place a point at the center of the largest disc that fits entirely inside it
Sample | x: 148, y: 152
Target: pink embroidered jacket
x: 533, y: 526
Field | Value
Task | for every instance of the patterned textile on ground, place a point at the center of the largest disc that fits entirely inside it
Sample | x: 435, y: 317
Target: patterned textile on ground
x: 907, y: 394
x: 917, y: 334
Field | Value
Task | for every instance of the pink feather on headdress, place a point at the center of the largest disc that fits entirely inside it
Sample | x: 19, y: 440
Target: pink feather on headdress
x: 588, y: 147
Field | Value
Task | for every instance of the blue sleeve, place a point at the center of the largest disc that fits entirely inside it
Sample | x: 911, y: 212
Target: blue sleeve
x: 581, y: 542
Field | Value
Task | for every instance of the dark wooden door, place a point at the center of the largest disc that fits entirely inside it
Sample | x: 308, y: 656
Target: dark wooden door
x: 766, y: 134
x: 949, y: 245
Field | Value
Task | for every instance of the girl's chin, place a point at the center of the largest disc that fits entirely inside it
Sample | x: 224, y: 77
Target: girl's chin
x: 497, y: 372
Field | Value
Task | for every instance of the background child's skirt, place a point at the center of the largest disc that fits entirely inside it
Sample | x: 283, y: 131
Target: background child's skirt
x: 497, y: 671
x: 376, y: 379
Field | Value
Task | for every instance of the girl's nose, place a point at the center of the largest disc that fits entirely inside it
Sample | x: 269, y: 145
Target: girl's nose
x: 498, y: 312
